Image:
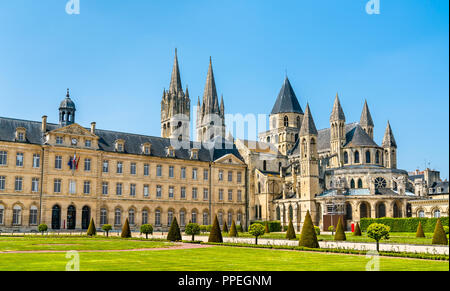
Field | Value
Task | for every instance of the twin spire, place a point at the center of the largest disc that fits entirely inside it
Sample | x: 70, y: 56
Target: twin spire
x: 210, y: 98
x: 175, y: 82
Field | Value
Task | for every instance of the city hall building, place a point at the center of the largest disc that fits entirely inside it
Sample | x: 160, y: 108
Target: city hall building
x: 63, y: 174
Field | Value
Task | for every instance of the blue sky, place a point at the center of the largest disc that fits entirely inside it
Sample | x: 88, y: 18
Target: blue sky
x: 117, y: 56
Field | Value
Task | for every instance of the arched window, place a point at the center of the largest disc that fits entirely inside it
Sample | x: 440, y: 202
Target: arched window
x: 56, y: 217
x: 421, y: 213
x: 17, y: 215
x: 220, y: 218
x: 286, y: 121
x: 352, y: 184
x: 158, y: 217
x: 381, y: 210
x: 437, y: 213
x: 299, y: 122
x: 356, y: 157
x: 377, y: 157
x: 278, y: 213
x: 368, y: 157
x: 117, y: 216
x: 363, y: 210
x: 230, y: 218
x: 291, y: 213
x: 169, y: 217
x: 103, y: 216
x: 345, y: 158
x: 397, y: 212
x: 182, y: 218
x: 205, y: 218
x: 131, y: 216
x: 2, y: 214
x: 360, y: 185
x: 348, y: 211
x: 33, y: 215
x: 194, y: 216
x: 145, y: 216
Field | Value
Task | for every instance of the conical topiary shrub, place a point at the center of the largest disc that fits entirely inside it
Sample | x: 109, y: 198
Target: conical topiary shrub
x: 215, y: 235
x: 174, y: 231
x: 91, y: 229
x: 419, y: 232
x: 233, y: 230
x: 225, y: 227
x: 290, y: 233
x: 266, y: 230
x: 439, y: 236
x: 340, y: 234
x: 357, y: 231
x: 126, y: 232
x: 308, y: 236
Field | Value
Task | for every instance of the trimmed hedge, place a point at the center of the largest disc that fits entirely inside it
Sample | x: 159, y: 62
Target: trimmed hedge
x: 274, y: 226
x: 404, y: 224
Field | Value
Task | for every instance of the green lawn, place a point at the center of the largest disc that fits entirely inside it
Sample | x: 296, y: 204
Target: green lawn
x: 218, y: 258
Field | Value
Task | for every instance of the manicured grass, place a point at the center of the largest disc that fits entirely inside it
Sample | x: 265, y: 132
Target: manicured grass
x: 65, y: 243
x: 218, y: 258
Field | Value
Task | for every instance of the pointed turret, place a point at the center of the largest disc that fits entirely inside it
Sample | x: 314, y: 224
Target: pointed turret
x: 388, y: 139
x: 337, y: 113
x: 286, y: 101
x: 366, y: 121
x: 175, y: 81
x: 308, y: 125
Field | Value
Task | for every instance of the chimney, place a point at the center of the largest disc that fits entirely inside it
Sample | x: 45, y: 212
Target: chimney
x: 44, y: 124
x: 93, y: 127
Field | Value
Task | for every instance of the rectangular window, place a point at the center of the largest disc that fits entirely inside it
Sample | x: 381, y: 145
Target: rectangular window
x: 239, y: 177
x: 20, y: 136
x: 194, y: 174
x: 230, y: 195
x: 183, y: 173
x: 2, y: 183
x: 105, y: 188
x: 205, y: 174
x: 19, y: 160
x: 205, y: 194
x: 171, y: 172
x: 57, y: 186
x: 230, y: 176
x: 171, y: 192
x: 18, y: 185
x: 133, y: 169
x: 220, y: 194
x: 87, y: 165
x: 146, y: 169
x: 119, y: 189
x: 58, y: 162
x: 119, y: 167
x: 105, y: 166
x: 72, y: 187
x: 133, y: 190
x: 36, y: 160
x: 87, y: 187
x: 59, y: 140
x: 183, y: 193
x: 158, y: 191
x: 33, y: 216
x: 239, y: 195
x: 35, y: 185
x: 146, y: 190
x: 194, y: 193
x: 87, y: 143
x: 220, y: 175
x: 3, y: 158
x: 158, y: 170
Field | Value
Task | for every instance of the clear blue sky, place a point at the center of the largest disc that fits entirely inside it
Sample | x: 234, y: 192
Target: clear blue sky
x: 117, y: 56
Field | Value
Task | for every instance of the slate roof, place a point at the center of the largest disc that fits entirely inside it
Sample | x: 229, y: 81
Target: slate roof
x: 358, y: 137
x: 133, y: 142
x: 286, y: 101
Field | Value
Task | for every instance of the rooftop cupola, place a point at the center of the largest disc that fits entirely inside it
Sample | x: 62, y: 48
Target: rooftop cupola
x: 67, y: 111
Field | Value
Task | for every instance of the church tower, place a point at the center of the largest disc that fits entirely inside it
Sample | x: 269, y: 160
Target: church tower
x: 390, y: 148
x: 67, y: 111
x: 366, y: 121
x: 337, y: 134
x: 309, y: 167
x: 175, y: 108
x: 210, y: 114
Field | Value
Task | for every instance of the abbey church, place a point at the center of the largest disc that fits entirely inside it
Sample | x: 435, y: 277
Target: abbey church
x: 63, y: 174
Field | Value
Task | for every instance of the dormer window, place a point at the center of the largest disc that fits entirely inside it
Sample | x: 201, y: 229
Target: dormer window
x: 120, y: 145
x: 170, y: 152
x: 194, y: 154
x: 20, y: 134
x: 59, y: 140
x: 88, y: 143
x: 146, y: 148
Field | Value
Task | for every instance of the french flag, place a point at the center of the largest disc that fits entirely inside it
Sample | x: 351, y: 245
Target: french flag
x: 73, y: 162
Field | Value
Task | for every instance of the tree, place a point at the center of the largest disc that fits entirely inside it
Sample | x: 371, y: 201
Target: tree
x: 91, y: 229
x: 233, y: 230
x: 419, y: 232
x: 146, y: 229
x: 215, y: 235
x: 439, y: 236
x: 357, y: 231
x: 290, y: 233
x: 126, y: 232
x: 256, y: 229
x: 266, y: 227
x: 239, y: 228
x: 331, y: 228
x: 192, y: 229
x: 107, y: 228
x: 317, y: 229
x: 225, y: 227
x: 174, y: 231
x: 308, y: 236
x: 340, y: 234
x: 42, y: 228
x: 378, y: 231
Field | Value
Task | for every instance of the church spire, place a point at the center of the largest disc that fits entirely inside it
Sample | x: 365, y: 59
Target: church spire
x: 175, y: 82
x: 308, y: 125
x: 337, y: 113
x: 388, y: 139
x: 366, y: 118
x: 210, y: 99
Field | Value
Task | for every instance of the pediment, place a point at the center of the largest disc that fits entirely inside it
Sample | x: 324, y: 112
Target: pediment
x: 74, y: 130
x: 229, y: 159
